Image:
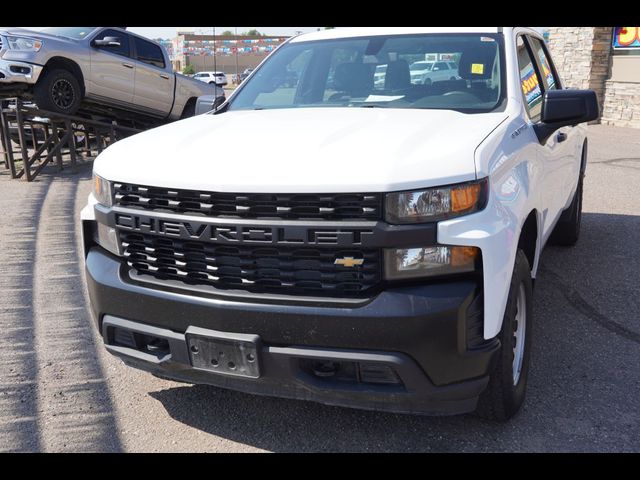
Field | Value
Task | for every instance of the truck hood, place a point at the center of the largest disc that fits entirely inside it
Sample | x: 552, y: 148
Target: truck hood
x: 23, y: 32
x: 305, y: 150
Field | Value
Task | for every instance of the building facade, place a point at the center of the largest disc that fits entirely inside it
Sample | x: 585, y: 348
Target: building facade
x: 232, y: 53
x: 604, y: 59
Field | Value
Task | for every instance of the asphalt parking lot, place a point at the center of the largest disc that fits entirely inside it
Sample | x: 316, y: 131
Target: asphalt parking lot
x: 60, y: 391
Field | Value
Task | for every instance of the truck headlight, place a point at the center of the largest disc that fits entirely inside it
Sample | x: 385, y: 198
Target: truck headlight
x: 102, y: 191
x: 25, y: 44
x: 406, y: 263
x: 433, y: 204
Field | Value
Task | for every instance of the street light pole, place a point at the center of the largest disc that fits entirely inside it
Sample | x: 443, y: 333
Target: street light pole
x: 215, y: 68
x: 237, y: 75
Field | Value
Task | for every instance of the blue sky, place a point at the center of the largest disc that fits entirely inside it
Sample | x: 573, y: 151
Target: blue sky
x: 170, y: 32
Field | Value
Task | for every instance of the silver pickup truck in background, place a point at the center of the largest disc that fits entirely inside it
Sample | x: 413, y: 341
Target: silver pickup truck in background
x: 97, y: 68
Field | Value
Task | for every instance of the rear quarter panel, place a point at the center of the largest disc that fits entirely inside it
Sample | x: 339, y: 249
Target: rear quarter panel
x: 187, y: 88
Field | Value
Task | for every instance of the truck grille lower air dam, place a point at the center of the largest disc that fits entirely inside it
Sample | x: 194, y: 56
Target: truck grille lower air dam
x: 332, y: 206
x: 285, y: 270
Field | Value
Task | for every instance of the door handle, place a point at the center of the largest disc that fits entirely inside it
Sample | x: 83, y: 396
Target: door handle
x: 561, y: 137
x: 128, y: 65
x: 165, y: 76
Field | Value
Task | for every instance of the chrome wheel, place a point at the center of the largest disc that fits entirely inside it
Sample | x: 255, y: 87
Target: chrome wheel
x: 519, y: 331
x: 62, y: 94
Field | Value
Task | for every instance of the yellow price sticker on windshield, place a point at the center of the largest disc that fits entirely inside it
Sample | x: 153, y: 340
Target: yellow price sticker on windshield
x: 477, y: 68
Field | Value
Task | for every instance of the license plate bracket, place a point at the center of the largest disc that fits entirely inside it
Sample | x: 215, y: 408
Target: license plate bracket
x: 232, y: 354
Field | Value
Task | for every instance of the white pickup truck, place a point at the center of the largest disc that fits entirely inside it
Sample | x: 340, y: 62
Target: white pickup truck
x: 375, y: 243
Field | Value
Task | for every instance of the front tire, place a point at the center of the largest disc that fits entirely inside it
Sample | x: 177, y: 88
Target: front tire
x: 505, y: 392
x: 58, y: 91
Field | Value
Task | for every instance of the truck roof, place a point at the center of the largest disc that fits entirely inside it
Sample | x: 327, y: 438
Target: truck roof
x: 349, y: 32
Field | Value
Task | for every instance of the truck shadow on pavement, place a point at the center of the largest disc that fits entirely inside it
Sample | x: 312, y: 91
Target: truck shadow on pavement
x: 579, y: 396
x: 57, y: 397
x: 19, y: 430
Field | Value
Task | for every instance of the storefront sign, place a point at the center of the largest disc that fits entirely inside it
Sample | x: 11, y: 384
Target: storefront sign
x: 626, y: 37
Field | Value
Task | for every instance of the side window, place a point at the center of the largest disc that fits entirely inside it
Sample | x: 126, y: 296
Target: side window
x: 529, y: 82
x: 123, y: 49
x: 148, y: 52
x: 550, y: 82
x: 441, y: 66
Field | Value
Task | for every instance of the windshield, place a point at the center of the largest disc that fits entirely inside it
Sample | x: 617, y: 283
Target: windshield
x: 77, y: 33
x: 461, y: 72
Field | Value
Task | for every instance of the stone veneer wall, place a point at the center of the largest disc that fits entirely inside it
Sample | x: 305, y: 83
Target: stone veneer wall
x: 582, y: 56
x: 622, y: 104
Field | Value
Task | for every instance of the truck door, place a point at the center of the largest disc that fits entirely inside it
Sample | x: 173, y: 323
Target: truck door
x: 550, y: 154
x: 153, y: 89
x: 566, y: 139
x: 112, y: 69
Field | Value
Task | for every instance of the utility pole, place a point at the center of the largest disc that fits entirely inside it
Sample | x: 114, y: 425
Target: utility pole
x: 215, y: 68
x: 237, y: 75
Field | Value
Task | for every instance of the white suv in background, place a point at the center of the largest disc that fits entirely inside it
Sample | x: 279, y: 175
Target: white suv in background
x: 425, y: 73
x: 219, y: 78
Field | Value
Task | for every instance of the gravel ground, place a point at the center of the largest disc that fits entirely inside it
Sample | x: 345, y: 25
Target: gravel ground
x: 60, y: 391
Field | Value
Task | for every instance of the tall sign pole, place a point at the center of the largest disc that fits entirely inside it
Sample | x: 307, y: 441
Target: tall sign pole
x: 237, y: 75
x: 215, y: 67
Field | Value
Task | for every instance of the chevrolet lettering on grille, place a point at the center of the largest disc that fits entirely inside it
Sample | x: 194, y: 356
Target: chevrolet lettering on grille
x: 241, y: 234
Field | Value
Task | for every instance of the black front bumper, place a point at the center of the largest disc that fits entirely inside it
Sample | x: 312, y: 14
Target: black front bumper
x: 430, y: 335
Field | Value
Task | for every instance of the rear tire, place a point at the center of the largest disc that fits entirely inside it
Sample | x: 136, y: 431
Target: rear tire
x: 58, y: 91
x: 189, y: 110
x: 506, y: 390
x: 567, y: 231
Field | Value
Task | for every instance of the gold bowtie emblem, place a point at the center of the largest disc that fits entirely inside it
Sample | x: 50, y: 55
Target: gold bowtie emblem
x: 349, y: 261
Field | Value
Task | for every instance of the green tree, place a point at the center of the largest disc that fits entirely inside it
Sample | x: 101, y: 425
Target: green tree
x: 188, y: 70
x: 252, y: 33
x: 227, y: 33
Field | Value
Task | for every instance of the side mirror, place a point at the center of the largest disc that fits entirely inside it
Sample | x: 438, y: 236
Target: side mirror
x: 561, y: 108
x: 206, y: 103
x: 108, y: 42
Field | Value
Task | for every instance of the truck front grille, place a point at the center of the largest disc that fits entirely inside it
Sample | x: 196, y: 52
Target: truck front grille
x: 332, y: 206
x: 286, y: 270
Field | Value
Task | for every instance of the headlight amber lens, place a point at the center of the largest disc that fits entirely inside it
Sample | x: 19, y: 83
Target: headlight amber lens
x: 24, y: 43
x: 433, y: 204
x: 406, y: 263
x: 102, y: 191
